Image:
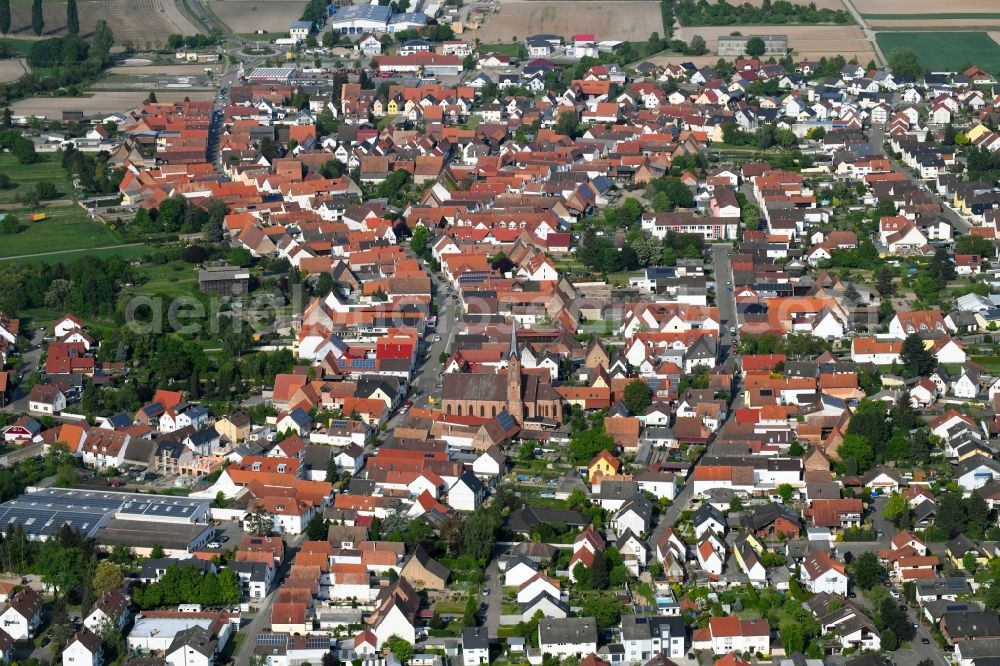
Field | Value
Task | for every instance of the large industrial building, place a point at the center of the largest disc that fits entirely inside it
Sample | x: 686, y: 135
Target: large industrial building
x: 359, y: 19
x: 178, y: 524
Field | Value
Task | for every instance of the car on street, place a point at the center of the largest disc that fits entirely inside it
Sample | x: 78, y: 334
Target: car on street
x: 925, y: 641
x: 486, y: 591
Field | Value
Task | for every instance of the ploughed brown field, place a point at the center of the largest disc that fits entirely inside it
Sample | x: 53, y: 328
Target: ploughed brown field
x: 247, y: 16
x: 99, y: 102
x: 808, y: 42
x: 11, y: 70
x: 625, y: 19
x: 140, y: 22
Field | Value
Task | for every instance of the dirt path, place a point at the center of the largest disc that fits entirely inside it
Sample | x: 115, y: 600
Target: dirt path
x: 49, y: 254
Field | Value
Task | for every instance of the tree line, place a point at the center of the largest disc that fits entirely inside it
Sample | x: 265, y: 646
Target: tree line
x: 780, y: 12
x: 68, y: 62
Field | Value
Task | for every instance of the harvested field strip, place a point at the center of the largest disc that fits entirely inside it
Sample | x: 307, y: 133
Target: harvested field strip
x: 932, y: 17
x: 627, y: 20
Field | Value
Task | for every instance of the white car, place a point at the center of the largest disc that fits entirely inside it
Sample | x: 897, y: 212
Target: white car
x: 214, y: 544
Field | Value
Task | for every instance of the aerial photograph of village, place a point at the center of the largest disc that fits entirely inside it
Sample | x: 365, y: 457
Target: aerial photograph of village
x: 499, y: 332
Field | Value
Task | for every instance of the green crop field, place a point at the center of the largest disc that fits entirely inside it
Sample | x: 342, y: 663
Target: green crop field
x: 67, y: 230
x: 945, y: 51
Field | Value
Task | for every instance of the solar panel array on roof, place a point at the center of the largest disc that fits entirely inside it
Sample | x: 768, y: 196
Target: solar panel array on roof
x: 363, y: 364
x: 506, y: 420
x: 272, y: 640
x: 338, y: 423
x: 472, y: 277
x: 43, y: 512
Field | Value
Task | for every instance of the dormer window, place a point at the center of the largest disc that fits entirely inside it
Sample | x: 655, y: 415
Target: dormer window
x: 256, y: 467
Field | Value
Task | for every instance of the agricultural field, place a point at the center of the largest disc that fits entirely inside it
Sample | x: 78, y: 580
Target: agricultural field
x: 245, y: 16
x: 99, y: 102
x: 809, y: 42
x: 66, y: 228
x: 946, y: 51
x: 968, y: 23
x: 627, y: 20
x: 139, y: 22
x: 920, y: 7
x: 12, y: 70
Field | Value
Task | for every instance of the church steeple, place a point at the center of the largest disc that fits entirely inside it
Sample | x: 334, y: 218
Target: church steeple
x: 515, y: 404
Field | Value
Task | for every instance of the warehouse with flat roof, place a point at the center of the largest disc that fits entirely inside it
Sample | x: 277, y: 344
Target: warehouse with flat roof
x: 44, y: 511
x: 359, y: 19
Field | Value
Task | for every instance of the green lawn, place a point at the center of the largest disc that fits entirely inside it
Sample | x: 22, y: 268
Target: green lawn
x: 990, y: 363
x: 47, y: 168
x: 66, y: 228
x: 512, y: 49
x: 946, y: 51
x: 176, y: 278
x: 22, y: 45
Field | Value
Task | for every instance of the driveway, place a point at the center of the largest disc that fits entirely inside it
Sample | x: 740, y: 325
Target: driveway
x: 494, y: 601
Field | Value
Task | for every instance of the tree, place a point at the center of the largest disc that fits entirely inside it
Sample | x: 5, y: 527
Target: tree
x: 156, y: 552
x: 587, y: 444
x: 755, y: 47
x: 895, y: 509
x: 796, y: 450
x: 969, y: 562
x: 858, y: 449
x: 977, y: 515
x: 400, y: 648
x: 316, y: 528
x: 37, y: 18
x: 637, y: 396
x: 479, y: 532
x: 260, y: 523
x: 905, y: 63
x: 951, y: 515
x: 599, y: 578
x: 915, y: 359
x: 868, y: 572
x: 581, y: 574
x: 469, y: 614
x: 108, y: 576
x: 61, y: 627
x: 419, y: 239
x: 9, y: 224
x: 5, y: 16
x: 567, y: 124
x: 72, y: 18
x: 697, y: 47
x: 785, y: 491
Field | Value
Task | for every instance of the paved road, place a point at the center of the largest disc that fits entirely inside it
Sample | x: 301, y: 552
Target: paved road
x: 30, y: 360
x: 262, y: 620
x: 427, y: 379
x: 876, y: 139
x: 725, y: 298
x: 869, y: 33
